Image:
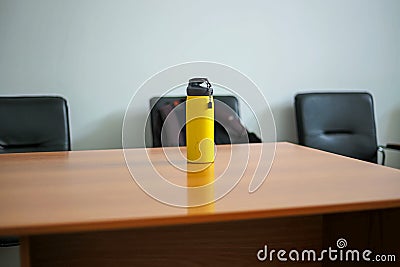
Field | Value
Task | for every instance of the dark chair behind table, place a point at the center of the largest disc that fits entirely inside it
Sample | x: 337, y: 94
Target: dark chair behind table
x: 338, y: 122
x: 159, y: 105
x: 33, y: 124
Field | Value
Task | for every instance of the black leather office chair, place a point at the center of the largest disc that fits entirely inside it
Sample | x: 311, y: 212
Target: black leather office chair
x: 33, y: 124
x: 342, y: 123
x: 220, y: 134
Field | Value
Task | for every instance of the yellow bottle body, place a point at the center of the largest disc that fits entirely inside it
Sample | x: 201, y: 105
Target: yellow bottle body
x: 201, y: 176
x: 200, y: 129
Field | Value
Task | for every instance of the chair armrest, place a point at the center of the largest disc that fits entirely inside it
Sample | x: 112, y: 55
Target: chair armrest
x: 393, y: 146
x: 381, y: 149
x: 9, y: 241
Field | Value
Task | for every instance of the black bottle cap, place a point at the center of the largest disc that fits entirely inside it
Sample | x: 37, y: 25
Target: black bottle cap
x: 199, y: 87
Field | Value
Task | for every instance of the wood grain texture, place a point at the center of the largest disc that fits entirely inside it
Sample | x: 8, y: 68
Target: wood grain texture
x: 60, y: 192
x: 234, y: 243
x: 231, y: 243
x: 24, y: 251
x: 375, y: 230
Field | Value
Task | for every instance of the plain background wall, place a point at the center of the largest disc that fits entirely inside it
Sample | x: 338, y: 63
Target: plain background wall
x: 97, y: 53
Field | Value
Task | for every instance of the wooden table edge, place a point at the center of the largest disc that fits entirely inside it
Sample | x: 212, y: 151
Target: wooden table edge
x: 118, y: 224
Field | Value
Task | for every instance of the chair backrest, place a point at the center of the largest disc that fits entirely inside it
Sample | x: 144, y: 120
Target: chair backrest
x: 33, y: 124
x: 342, y: 123
x: 221, y: 135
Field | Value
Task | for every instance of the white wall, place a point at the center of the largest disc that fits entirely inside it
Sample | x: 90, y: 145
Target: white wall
x: 97, y: 53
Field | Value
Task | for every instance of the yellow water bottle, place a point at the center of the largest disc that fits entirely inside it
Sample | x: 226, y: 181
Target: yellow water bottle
x: 199, y: 121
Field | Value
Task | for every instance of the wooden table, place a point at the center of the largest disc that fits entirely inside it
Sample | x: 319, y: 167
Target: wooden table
x: 84, y: 209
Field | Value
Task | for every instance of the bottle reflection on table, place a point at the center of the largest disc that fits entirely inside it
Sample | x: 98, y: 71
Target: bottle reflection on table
x: 201, y: 177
